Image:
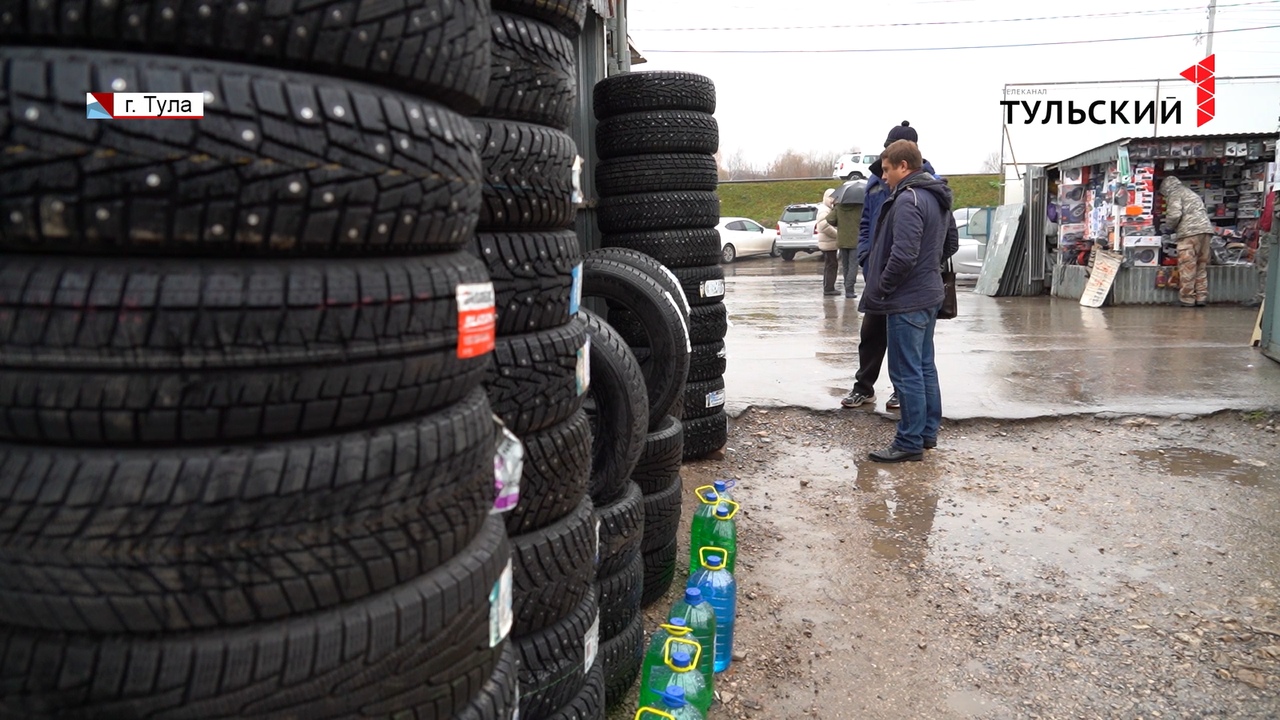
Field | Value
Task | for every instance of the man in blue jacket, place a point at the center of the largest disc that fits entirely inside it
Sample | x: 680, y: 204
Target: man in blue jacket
x: 871, y: 335
x: 913, y: 235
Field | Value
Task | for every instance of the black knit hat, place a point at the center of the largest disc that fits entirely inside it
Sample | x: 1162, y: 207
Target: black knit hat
x: 902, y: 132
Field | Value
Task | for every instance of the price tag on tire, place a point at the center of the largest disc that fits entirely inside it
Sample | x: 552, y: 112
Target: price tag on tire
x: 715, y: 399
x: 477, y: 319
x: 592, y: 644
x: 583, y: 371
x: 501, y: 617
x: 508, y: 466
x: 713, y: 288
x: 575, y: 292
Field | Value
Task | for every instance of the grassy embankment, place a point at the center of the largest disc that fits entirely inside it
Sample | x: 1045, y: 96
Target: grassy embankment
x: 763, y: 202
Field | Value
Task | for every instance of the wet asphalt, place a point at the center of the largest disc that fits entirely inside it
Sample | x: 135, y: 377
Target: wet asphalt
x: 1002, y: 358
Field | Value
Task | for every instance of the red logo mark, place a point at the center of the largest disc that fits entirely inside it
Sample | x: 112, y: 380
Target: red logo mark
x: 1202, y: 75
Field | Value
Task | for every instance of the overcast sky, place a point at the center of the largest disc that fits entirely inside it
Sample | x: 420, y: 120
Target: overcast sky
x: 829, y: 101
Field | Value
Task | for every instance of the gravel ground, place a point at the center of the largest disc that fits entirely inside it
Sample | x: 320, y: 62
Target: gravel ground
x: 1102, y: 567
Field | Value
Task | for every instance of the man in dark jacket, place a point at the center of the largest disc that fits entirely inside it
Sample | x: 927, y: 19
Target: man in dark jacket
x: 913, y: 235
x: 872, y: 333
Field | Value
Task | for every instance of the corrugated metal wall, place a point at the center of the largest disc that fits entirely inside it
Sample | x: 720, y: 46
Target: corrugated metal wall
x: 1036, y: 192
x: 1137, y: 286
x: 592, y: 58
x: 1271, y: 314
x: 1227, y: 283
x: 1069, y: 281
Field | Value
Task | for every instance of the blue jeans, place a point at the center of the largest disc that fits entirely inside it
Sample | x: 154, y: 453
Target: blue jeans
x: 915, y: 377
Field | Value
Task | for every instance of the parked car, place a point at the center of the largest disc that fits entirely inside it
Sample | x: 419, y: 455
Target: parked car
x: 798, y: 230
x: 967, y: 260
x: 854, y: 166
x: 740, y: 237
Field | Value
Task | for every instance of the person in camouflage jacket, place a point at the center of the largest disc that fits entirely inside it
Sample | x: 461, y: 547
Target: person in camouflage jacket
x: 1186, y: 219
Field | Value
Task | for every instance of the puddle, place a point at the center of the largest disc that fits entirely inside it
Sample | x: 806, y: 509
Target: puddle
x: 901, y: 508
x: 1191, y: 462
x: 998, y: 548
x: 974, y: 704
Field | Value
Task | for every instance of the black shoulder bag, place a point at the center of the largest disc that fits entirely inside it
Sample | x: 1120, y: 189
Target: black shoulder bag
x: 949, y: 309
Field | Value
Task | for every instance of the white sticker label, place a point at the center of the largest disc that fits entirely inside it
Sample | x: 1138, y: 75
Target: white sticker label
x: 592, y: 645
x: 500, y: 615
x: 575, y: 293
x: 724, y: 353
x: 515, y: 707
x: 577, y: 197
x: 508, y: 466
x: 583, y: 372
x: 597, y: 541
x: 713, y: 288
x: 715, y: 399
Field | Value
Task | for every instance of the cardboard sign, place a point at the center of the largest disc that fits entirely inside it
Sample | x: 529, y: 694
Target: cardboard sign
x: 1105, y: 267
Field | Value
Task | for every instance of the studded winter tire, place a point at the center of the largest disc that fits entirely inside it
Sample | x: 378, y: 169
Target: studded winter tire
x: 153, y: 351
x: 532, y: 277
x: 188, y: 537
x: 282, y: 163
x: 435, y: 48
x: 654, y: 90
x: 419, y: 649
x: 528, y: 176
x: 533, y: 73
x: 557, y: 469
x: 533, y: 382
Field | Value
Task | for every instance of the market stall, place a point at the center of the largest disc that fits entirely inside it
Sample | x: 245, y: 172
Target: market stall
x: 1107, y: 198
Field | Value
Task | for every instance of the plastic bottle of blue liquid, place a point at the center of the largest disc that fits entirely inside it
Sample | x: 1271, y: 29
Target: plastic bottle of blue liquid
x: 672, y: 706
x: 721, y: 591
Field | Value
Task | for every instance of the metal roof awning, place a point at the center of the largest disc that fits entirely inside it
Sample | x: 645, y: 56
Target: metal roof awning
x: 1106, y: 153
x: 1096, y: 156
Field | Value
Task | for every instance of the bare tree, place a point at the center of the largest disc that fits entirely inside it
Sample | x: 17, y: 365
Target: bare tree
x: 992, y: 163
x: 736, y: 167
x: 792, y: 164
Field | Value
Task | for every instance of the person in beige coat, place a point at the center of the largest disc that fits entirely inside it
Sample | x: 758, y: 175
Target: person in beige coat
x: 828, y: 243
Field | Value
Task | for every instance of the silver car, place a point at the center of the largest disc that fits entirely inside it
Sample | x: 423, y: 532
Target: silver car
x: 798, y: 230
x: 968, y: 259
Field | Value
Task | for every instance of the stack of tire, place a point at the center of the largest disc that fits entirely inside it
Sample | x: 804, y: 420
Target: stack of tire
x: 657, y: 138
x: 246, y: 460
x: 538, y: 381
x: 625, y: 395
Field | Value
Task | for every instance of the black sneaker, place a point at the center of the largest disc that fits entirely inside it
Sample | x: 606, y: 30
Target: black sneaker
x: 892, y: 454
x: 893, y: 403
x: 856, y: 399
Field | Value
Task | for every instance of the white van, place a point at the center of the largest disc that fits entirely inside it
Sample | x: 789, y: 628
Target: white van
x: 854, y: 166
